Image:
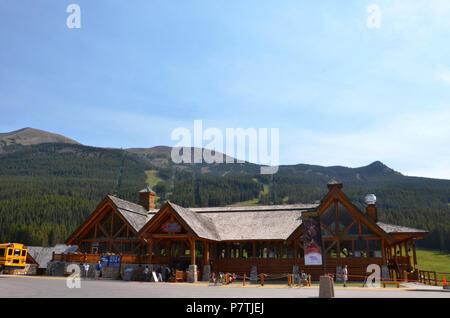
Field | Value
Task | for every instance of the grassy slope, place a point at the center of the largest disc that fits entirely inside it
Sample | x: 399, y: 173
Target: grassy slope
x: 152, y: 178
x: 434, y: 261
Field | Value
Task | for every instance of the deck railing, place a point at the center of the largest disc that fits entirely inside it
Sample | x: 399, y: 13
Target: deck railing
x: 125, y: 258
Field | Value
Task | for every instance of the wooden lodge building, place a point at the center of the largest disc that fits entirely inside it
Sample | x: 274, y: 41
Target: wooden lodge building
x: 236, y: 239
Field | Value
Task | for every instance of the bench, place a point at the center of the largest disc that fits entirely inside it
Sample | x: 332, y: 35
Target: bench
x: 179, y: 276
x: 390, y: 282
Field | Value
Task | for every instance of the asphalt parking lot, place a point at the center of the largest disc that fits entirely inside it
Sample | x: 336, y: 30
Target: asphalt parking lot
x: 56, y: 287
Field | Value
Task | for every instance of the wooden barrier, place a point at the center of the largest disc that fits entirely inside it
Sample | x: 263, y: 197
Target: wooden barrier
x: 425, y: 277
x: 384, y: 283
x: 179, y: 276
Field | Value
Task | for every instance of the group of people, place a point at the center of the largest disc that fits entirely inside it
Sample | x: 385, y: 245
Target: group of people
x: 147, y: 274
x: 98, y: 269
x: 222, y: 278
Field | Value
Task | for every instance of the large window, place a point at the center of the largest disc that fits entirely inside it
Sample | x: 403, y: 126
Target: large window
x: 375, y: 248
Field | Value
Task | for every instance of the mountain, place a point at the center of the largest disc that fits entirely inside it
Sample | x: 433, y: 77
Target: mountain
x: 49, y: 184
x: 30, y: 136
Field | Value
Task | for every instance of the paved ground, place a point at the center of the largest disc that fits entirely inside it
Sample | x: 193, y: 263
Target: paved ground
x: 13, y: 286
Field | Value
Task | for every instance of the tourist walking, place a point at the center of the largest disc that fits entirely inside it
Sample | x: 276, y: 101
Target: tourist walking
x: 98, y: 270
x: 345, y: 272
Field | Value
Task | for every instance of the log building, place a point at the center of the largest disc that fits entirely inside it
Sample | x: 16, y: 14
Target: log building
x: 235, y: 239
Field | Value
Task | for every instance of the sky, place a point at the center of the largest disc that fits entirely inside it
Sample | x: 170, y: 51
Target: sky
x: 340, y: 91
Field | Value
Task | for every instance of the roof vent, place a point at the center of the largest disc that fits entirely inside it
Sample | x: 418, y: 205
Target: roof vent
x: 370, y: 199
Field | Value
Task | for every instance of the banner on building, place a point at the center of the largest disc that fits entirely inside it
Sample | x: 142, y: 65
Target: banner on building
x: 110, y: 260
x: 312, y: 238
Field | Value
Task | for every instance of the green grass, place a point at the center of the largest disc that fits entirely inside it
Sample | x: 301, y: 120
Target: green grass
x: 434, y: 261
x: 152, y: 178
x: 246, y: 203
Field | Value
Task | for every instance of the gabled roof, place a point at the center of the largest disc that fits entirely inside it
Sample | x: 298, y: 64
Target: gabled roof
x: 270, y: 222
x: 200, y: 224
x: 133, y: 213
x: 336, y: 193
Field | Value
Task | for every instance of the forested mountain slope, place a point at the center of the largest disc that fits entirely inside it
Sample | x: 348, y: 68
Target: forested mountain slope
x: 48, y: 189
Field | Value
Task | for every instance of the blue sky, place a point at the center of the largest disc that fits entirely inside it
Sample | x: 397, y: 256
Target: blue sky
x: 340, y: 93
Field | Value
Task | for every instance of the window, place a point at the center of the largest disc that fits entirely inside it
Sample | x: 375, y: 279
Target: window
x: 17, y: 252
x: 2, y: 252
x: 345, y: 217
x: 365, y: 231
x: 10, y: 251
x: 247, y: 250
x: 328, y: 217
x: 300, y: 251
x: 346, y: 249
x: 331, y: 246
x: 375, y: 248
x: 288, y: 251
x: 24, y: 252
x: 360, y: 248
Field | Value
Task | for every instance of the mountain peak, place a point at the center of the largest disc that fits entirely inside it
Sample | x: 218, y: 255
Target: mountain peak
x: 32, y: 136
x: 377, y: 167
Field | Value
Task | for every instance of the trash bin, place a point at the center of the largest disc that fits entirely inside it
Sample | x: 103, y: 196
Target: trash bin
x: 128, y: 274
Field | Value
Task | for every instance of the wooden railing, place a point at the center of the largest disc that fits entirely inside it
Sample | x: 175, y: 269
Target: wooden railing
x: 240, y: 266
x: 428, y: 277
x: 125, y: 258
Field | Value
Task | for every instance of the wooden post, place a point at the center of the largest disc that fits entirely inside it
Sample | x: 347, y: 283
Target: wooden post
x: 192, y: 241
x: 243, y: 281
x: 429, y: 279
x: 295, y: 248
x: 206, y: 253
x: 435, y: 279
x: 414, y: 253
x: 150, y: 250
x: 262, y: 279
x: 253, y: 249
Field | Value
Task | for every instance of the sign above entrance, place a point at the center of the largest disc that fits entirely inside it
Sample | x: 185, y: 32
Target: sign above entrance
x: 171, y: 227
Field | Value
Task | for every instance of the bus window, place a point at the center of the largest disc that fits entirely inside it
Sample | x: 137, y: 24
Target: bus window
x: 2, y: 252
x: 10, y: 251
x: 24, y: 252
x: 16, y: 252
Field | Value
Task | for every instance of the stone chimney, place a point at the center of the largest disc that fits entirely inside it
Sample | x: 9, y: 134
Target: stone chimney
x: 371, y: 209
x: 147, y: 198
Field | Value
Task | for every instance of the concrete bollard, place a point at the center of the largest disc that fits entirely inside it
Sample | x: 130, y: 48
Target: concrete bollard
x: 326, y: 287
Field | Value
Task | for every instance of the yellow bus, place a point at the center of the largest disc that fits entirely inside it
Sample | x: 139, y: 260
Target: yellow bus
x: 13, y: 255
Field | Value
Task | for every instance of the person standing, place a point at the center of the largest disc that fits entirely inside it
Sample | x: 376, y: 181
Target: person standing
x: 86, y: 269
x: 345, y: 272
x: 145, y: 274
x: 98, y: 270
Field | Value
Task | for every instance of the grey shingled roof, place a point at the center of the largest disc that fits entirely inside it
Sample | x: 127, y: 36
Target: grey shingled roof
x: 253, y: 222
x: 136, y: 215
x: 392, y: 229
x: 256, y: 225
x: 202, y: 225
x: 42, y: 255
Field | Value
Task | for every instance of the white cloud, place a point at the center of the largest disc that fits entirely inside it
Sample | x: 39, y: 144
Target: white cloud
x: 443, y: 74
x: 414, y: 144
